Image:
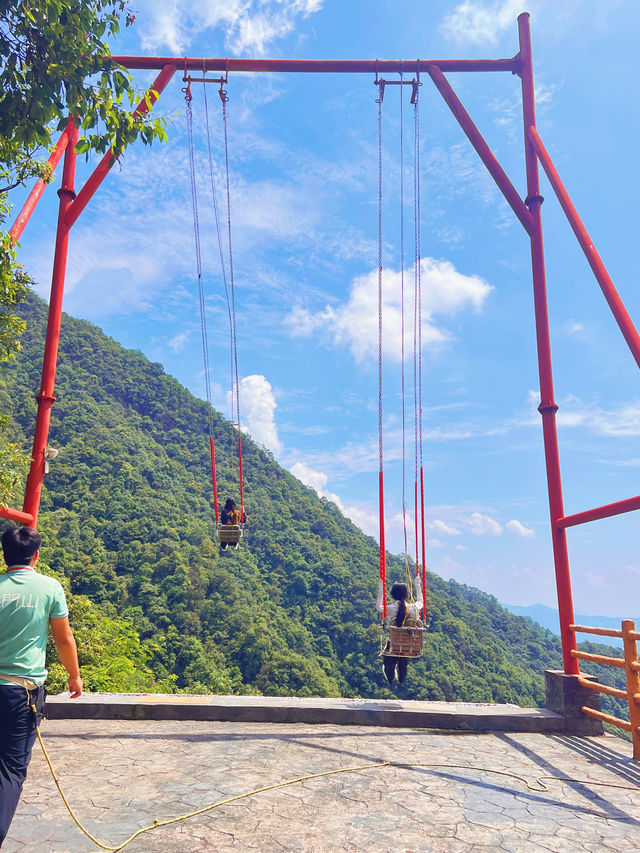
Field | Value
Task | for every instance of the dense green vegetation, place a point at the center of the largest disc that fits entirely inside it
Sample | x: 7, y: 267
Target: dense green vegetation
x: 128, y: 522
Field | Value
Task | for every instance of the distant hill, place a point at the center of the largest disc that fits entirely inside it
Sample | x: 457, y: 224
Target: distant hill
x: 128, y: 521
x: 548, y: 618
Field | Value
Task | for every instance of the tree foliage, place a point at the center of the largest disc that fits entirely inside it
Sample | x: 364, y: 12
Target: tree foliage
x: 54, y: 63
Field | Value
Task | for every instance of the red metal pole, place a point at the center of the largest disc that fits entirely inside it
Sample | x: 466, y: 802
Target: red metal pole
x: 595, y: 261
x: 36, y: 193
x: 46, y: 397
x: 212, y: 451
x: 547, y: 407
x: 16, y: 515
x: 383, y: 555
x: 424, y: 551
x: 102, y: 169
x: 484, y: 152
x: 600, y: 512
x: 240, y: 476
x: 415, y: 518
x: 316, y: 66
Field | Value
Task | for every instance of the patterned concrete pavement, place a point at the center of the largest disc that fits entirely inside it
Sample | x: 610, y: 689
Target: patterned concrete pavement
x: 121, y: 775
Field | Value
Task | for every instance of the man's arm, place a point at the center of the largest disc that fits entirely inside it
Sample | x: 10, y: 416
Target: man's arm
x: 66, y: 647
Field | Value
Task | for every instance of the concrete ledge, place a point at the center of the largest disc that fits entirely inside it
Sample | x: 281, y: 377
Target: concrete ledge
x: 273, y: 709
x: 566, y: 697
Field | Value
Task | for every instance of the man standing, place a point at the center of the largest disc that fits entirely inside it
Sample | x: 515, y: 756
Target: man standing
x: 29, y: 604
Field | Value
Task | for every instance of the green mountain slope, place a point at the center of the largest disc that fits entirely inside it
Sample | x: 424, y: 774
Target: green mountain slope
x: 128, y: 520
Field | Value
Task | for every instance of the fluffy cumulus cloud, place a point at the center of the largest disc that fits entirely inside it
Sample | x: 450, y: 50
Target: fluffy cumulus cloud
x: 573, y: 412
x: 364, y: 517
x: 481, y: 22
x: 257, y: 411
x: 519, y: 529
x: 480, y: 524
x: 247, y: 25
x: 476, y: 523
x: 445, y: 292
x: 310, y: 477
x: 442, y: 528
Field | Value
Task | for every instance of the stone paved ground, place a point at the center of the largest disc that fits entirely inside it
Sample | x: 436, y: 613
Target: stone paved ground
x: 120, y: 775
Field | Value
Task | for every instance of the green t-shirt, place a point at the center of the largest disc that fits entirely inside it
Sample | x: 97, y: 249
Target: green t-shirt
x: 27, y: 601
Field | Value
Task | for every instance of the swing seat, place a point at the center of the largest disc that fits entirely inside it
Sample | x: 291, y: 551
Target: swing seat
x: 230, y: 534
x: 404, y: 642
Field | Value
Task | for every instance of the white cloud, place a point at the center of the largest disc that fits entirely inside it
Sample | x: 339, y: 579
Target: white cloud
x: 363, y: 516
x: 314, y: 479
x: 573, y: 412
x: 443, y: 528
x: 477, y: 22
x: 482, y: 525
x: 179, y: 341
x: 246, y: 25
x: 595, y: 580
x: 355, y: 323
x: 257, y: 409
x: 519, y: 529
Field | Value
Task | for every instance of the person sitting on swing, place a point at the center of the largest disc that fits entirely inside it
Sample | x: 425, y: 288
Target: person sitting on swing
x: 400, y: 614
x: 231, y: 515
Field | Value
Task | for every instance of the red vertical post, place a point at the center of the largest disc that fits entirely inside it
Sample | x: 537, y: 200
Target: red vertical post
x: 383, y: 554
x: 424, y: 547
x: 547, y: 407
x: 240, y: 474
x: 46, y: 397
x: 214, y: 482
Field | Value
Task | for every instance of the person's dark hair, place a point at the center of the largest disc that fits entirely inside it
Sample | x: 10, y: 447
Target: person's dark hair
x: 230, y: 504
x: 400, y: 593
x: 19, y: 544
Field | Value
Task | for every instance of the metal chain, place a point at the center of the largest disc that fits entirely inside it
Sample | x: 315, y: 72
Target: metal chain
x: 416, y: 272
x: 216, y: 213
x: 419, y: 271
x: 224, y: 98
x: 196, y: 232
x: 404, y: 496
x: 380, y: 446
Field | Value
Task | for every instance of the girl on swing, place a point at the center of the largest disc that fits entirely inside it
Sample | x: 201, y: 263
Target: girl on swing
x: 399, y: 613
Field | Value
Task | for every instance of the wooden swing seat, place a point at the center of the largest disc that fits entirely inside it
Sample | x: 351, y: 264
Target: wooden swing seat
x: 404, y: 642
x: 230, y: 534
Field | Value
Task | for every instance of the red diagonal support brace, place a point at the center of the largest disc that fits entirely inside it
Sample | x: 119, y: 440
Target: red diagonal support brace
x: 102, y: 169
x: 595, y: 261
x: 484, y: 152
x: 36, y: 193
x: 599, y: 512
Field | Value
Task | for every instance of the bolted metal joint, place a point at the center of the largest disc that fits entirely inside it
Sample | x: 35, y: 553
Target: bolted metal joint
x: 533, y: 199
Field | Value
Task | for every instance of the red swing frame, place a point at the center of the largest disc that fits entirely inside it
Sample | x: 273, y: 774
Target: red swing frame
x: 527, y: 210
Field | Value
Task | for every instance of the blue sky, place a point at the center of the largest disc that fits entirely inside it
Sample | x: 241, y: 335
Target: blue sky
x: 304, y: 199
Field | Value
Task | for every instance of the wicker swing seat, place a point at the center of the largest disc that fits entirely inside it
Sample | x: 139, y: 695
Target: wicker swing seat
x: 404, y: 642
x: 230, y: 534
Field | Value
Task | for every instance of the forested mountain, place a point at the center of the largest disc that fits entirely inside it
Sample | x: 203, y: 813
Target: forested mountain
x: 128, y: 521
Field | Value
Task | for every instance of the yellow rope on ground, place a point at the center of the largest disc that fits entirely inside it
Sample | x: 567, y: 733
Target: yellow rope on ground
x: 542, y: 788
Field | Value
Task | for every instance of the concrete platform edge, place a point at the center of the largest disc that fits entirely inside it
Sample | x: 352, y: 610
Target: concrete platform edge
x: 502, y: 719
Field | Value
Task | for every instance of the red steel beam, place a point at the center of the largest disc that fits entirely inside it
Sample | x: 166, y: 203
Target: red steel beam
x: 16, y: 515
x: 46, y: 397
x: 599, y: 512
x: 36, y: 193
x: 484, y: 152
x: 317, y: 66
x: 102, y: 169
x: 548, y: 407
x: 595, y: 261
